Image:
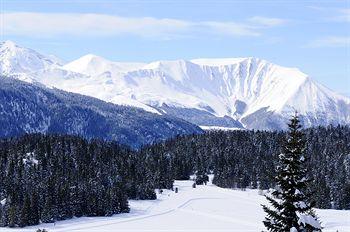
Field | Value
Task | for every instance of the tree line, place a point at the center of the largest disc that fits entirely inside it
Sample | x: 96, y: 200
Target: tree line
x: 248, y: 159
x: 45, y: 178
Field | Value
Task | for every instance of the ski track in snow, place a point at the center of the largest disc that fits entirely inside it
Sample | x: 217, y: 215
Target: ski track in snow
x: 205, y: 208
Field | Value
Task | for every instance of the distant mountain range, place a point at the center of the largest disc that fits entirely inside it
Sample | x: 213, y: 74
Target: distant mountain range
x: 246, y: 93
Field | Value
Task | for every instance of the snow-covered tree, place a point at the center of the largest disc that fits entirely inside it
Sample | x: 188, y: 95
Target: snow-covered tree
x: 290, y: 209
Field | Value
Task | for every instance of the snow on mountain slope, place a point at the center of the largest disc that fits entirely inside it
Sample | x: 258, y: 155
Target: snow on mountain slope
x: 16, y: 59
x: 30, y: 66
x: 237, y: 88
x: 103, y: 86
x: 232, y: 92
x: 94, y: 65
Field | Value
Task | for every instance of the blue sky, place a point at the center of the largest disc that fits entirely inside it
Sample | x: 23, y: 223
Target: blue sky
x: 313, y: 36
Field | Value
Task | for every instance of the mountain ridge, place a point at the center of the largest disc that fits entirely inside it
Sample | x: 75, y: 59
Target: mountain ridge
x: 208, y: 92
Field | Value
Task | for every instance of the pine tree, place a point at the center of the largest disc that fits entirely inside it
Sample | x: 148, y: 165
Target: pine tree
x: 12, y: 219
x: 3, y: 221
x: 47, y: 215
x: 25, y: 213
x: 34, y: 207
x: 291, y: 210
x: 201, y: 175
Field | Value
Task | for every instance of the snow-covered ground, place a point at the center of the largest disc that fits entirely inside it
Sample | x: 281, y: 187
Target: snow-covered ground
x: 205, y: 208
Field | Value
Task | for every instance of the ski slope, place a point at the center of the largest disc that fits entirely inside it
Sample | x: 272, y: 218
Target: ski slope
x: 203, y: 209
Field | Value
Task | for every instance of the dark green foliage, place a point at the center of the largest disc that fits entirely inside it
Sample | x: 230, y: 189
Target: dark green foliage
x: 288, y: 201
x: 201, y: 171
x: 201, y: 179
x: 34, y: 210
x: 247, y: 159
x: 48, y: 178
x: 66, y: 176
x: 25, y: 212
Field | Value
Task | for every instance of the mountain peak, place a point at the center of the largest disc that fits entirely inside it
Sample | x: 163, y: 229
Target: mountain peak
x: 8, y: 43
x: 91, y: 64
x: 10, y: 48
x: 86, y: 64
x: 15, y: 59
x: 90, y: 57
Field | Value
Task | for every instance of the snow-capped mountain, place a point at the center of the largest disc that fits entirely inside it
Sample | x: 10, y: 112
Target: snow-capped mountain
x: 240, y: 92
x: 95, y: 65
x: 20, y: 61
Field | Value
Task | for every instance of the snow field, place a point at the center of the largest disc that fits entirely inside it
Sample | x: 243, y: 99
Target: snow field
x: 203, y: 209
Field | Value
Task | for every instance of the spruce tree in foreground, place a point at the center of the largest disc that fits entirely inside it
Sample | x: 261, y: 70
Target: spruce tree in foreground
x: 290, y: 210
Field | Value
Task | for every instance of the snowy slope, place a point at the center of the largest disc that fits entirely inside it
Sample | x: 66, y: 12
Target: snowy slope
x: 95, y: 65
x: 30, y: 66
x: 204, y: 209
x: 18, y: 60
x: 243, y: 89
x: 233, y: 92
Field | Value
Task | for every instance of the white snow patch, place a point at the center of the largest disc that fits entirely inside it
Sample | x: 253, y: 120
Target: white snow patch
x: 220, y: 128
x: 3, y: 202
x: 309, y: 220
x: 30, y: 159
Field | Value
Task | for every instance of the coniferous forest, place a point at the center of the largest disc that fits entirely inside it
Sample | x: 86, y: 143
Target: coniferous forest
x: 45, y: 178
x: 248, y: 159
x: 49, y: 178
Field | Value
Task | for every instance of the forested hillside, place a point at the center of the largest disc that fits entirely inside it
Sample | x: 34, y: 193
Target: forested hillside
x: 32, y: 108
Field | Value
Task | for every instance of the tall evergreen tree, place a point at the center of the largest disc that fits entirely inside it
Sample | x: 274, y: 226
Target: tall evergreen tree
x: 34, y: 207
x: 12, y: 219
x: 25, y: 213
x: 291, y: 210
x: 201, y: 175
